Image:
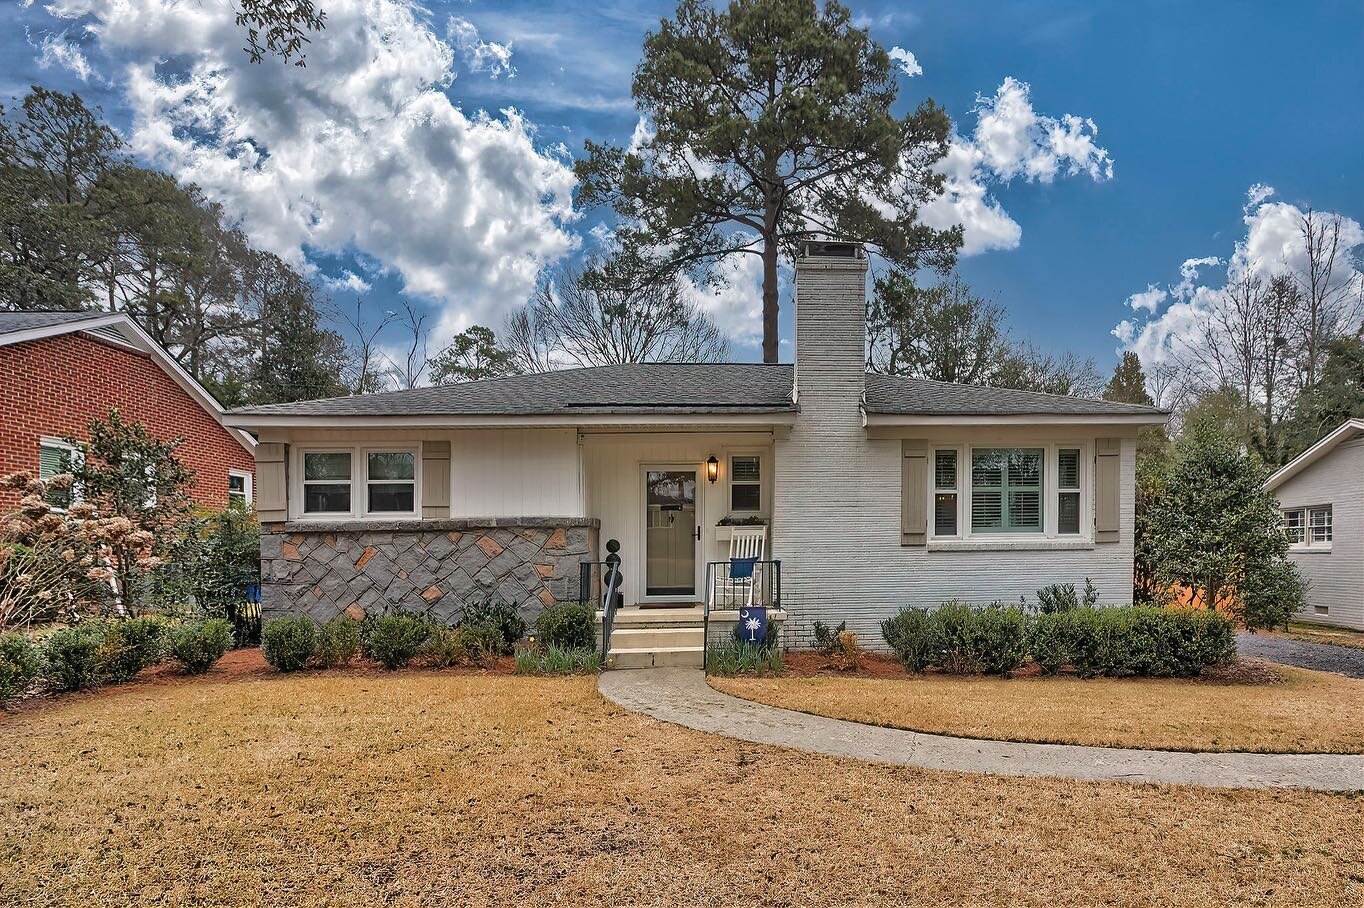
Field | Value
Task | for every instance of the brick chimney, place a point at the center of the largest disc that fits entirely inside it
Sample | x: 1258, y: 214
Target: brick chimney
x: 831, y: 328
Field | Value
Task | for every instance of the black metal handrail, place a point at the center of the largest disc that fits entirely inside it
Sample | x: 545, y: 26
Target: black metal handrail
x: 609, y: 582
x: 765, y: 583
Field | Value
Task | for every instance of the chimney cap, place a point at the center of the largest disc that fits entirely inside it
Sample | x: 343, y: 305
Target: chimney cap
x: 832, y: 249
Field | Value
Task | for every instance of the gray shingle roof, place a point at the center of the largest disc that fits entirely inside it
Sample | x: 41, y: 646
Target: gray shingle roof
x: 896, y: 394
x: 26, y: 321
x: 684, y: 388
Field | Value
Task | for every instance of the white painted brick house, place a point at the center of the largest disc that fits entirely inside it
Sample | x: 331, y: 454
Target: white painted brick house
x: 876, y: 491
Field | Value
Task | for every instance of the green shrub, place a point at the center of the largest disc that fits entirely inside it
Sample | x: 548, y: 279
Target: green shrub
x: 445, y: 646
x: 912, y: 634
x: 196, y: 645
x: 572, y: 625
x: 494, y: 611
x: 991, y: 640
x: 555, y: 660
x: 1272, y: 594
x: 337, y: 642
x: 71, y: 656
x: 1051, y: 640
x: 1143, y: 640
x: 394, y: 640
x: 130, y: 646
x: 288, y: 643
x: 1058, y: 597
x: 826, y: 638
x: 483, y: 640
x: 19, y: 665
x: 735, y: 657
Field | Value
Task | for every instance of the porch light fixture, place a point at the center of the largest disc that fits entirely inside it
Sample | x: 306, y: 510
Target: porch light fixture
x: 712, y: 469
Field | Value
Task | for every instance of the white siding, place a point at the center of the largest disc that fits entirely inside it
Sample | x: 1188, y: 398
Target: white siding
x: 613, y: 484
x: 836, y: 516
x: 1336, y: 577
x: 515, y: 473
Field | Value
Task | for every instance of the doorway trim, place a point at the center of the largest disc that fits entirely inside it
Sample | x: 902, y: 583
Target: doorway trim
x: 643, y: 517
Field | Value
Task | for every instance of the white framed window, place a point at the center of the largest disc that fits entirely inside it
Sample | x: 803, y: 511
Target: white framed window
x: 56, y: 456
x: 370, y: 481
x: 945, y: 495
x: 239, y: 489
x: 745, y: 484
x: 991, y: 492
x: 1309, y: 527
x: 327, y: 482
x: 1068, y: 466
x: 390, y: 482
x: 1006, y: 490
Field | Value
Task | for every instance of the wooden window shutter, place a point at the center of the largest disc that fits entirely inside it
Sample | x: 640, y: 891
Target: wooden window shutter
x: 913, y: 492
x: 271, y: 487
x: 435, y: 480
x: 1107, y: 489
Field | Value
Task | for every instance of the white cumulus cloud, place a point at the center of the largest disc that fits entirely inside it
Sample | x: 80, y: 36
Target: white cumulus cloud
x: 1010, y: 141
x: 908, y: 63
x: 479, y: 55
x: 361, y: 152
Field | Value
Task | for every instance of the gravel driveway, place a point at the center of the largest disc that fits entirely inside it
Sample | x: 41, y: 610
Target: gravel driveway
x: 1320, y: 656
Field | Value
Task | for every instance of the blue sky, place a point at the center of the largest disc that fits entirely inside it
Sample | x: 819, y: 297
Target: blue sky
x: 1191, y: 104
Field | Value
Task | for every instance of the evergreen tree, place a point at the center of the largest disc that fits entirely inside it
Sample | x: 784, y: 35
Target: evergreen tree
x: 471, y: 356
x: 297, y: 359
x: 1128, y: 384
x: 771, y: 123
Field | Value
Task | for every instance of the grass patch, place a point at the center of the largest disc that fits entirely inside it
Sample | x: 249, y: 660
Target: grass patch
x: 734, y: 657
x: 1306, y: 712
x: 1322, y: 633
x: 555, y: 660
x: 448, y: 788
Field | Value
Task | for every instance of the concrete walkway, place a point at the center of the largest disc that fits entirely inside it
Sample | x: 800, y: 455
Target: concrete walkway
x: 681, y: 696
x: 1323, y: 657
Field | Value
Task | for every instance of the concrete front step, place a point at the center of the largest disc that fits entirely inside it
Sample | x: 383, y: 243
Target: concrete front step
x: 655, y: 637
x: 657, y: 657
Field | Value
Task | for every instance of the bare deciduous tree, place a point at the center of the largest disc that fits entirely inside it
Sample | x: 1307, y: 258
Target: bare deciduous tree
x: 586, y: 315
x: 408, y: 373
x: 1327, y: 293
x: 366, y: 372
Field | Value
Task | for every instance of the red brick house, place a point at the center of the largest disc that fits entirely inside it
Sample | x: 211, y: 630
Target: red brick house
x: 59, y: 370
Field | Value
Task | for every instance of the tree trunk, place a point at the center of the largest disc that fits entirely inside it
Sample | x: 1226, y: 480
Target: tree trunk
x: 770, y: 300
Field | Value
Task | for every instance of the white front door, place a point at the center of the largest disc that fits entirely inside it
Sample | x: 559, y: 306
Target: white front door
x: 671, y: 533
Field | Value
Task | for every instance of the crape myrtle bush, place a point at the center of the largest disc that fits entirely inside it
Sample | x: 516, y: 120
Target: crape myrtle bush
x: 1113, y: 641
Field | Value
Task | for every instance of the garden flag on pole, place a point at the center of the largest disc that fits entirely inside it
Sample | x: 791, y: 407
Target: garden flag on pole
x: 753, y: 625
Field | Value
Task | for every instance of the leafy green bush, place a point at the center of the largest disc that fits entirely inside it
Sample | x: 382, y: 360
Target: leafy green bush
x: 735, y: 657
x: 555, y: 660
x: 446, y: 646
x: 1271, y: 594
x: 1057, y: 597
x: 337, y: 642
x: 913, y: 636
x: 130, y: 646
x: 991, y: 640
x: 71, y: 656
x: 494, y: 611
x: 196, y: 645
x: 288, y: 643
x: 572, y: 625
x: 1051, y: 640
x: 394, y: 640
x: 19, y: 664
x: 826, y: 638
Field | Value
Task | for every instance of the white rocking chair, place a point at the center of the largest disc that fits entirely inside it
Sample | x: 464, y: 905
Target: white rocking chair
x: 745, y: 543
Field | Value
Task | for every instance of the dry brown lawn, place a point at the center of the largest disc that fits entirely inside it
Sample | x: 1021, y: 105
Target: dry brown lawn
x: 1322, y: 633
x: 1305, y: 712
x: 428, y: 788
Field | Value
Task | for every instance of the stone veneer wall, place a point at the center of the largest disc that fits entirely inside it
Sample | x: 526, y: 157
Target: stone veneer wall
x: 358, y: 568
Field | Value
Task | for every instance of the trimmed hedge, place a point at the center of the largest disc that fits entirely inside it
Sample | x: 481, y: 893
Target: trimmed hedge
x: 1111, y: 641
x: 394, y: 640
x: 71, y: 656
x: 288, y: 643
x: 569, y: 626
x: 19, y: 665
x: 197, y: 645
x: 337, y: 642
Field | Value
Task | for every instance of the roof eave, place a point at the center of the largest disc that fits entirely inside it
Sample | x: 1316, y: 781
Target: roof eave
x: 993, y: 419
x: 782, y: 417
x: 1319, y: 450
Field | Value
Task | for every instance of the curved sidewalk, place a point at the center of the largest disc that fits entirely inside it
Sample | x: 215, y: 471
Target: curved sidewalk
x: 683, y: 697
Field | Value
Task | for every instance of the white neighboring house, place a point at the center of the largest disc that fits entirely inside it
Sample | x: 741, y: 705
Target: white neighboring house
x: 877, y: 491
x: 1321, y: 493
